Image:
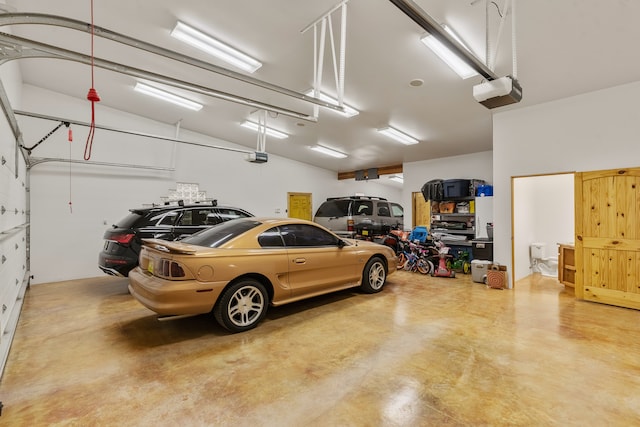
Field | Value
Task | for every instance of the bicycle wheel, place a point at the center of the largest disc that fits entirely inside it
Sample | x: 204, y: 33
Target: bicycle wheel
x: 410, y: 265
x: 402, y: 260
x: 422, y: 266
x: 425, y: 266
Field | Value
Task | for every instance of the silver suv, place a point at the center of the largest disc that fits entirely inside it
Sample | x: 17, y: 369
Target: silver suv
x: 364, y: 215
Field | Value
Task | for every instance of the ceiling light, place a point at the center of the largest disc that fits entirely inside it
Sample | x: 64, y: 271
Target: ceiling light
x: 348, y: 111
x: 463, y: 69
x: 398, y: 136
x: 269, y: 131
x: 167, y: 96
x: 328, y: 151
x: 214, y: 47
x: 397, y: 178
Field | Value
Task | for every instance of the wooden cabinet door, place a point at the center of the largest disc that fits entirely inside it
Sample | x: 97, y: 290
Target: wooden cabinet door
x: 421, y: 210
x: 608, y: 237
x: 299, y: 205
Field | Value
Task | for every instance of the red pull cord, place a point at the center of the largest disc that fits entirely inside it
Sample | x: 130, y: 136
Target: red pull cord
x: 93, y: 97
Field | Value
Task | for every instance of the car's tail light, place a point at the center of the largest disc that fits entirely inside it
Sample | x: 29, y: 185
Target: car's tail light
x: 350, y: 224
x: 115, y: 261
x: 123, y: 238
x: 176, y: 270
x: 170, y: 269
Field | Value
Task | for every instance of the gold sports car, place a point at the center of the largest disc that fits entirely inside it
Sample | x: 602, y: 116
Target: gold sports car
x: 238, y: 268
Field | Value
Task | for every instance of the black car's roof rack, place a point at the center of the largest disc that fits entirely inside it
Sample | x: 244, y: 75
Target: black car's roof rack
x: 357, y: 197
x: 211, y: 202
x: 174, y: 203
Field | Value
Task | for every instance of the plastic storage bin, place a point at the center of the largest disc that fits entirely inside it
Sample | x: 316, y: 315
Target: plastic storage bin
x: 456, y: 188
x: 479, y: 269
x: 484, y: 190
x: 419, y: 233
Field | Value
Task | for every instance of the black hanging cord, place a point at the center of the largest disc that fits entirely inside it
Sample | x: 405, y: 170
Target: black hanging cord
x: 29, y: 149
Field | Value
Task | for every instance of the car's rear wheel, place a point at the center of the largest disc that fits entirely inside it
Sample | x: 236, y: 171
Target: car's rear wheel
x: 373, y: 276
x: 242, y: 305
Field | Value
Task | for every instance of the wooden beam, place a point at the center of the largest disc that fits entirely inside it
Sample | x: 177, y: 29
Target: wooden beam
x: 384, y: 170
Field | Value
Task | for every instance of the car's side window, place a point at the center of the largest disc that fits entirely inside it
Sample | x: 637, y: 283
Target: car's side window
x: 383, y: 209
x: 299, y: 235
x: 194, y: 217
x: 397, y: 210
x: 229, y: 214
x: 271, y: 238
x: 363, y: 208
x: 213, y: 218
x: 169, y: 218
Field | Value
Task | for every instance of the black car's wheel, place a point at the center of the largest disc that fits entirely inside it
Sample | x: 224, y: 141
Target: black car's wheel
x: 373, y: 276
x: 242, y: 306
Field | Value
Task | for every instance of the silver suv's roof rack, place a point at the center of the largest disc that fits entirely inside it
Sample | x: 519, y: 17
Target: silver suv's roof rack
x: 357, y: 197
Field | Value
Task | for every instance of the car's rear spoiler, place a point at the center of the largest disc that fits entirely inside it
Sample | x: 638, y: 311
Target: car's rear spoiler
x: 170, y: 247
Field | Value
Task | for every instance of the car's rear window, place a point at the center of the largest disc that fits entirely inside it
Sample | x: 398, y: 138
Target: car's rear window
x: 219, y: 234
x: 333, y: 208
x: 129, y: 221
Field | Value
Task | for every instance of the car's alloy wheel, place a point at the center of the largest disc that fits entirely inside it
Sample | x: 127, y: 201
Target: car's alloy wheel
x: 373, y: 276
x: 242, y: 305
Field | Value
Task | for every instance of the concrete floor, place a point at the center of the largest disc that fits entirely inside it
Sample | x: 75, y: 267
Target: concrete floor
x: 424, y: 352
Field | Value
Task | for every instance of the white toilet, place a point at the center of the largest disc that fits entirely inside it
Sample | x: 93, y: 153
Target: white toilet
x: 547, y: 266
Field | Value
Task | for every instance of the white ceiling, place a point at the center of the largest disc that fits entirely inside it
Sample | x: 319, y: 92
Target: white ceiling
x: 565, y: 47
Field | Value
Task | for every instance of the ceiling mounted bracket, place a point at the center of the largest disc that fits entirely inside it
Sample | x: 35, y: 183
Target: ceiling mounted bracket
x: 429, y: 24
x: 319, y: 52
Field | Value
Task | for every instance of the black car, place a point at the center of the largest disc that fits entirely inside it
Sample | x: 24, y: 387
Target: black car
x: 168, y: 222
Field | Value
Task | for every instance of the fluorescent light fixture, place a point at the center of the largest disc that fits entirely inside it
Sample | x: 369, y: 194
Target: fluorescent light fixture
x: 328, y: 151
x: 397, y: 178
x: 398, y: 136
x: 451, y: 59
x: 348, y: 111
x: 214, y: 47
x: 167, y: 96
x: 269, y: 131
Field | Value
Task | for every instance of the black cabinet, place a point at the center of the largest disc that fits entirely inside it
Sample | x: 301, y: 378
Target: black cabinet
x: 482, y: 249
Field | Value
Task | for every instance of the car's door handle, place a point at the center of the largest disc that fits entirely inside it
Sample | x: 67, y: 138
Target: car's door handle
x: 300, y: 260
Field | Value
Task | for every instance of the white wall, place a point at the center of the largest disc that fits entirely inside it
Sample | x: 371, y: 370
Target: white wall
x: 468, y: 166
x: 66, y: 242
x: 543, y: 212
x: 593, y: 131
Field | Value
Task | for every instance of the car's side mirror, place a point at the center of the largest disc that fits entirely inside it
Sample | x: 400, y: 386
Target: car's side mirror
x: 341, y: 243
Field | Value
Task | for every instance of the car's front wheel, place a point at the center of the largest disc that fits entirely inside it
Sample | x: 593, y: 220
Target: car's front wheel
x: 373, y: 276
x: 242, y: 305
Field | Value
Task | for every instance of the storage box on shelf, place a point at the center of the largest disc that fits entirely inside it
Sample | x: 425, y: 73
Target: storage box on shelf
x: 454, y: 188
